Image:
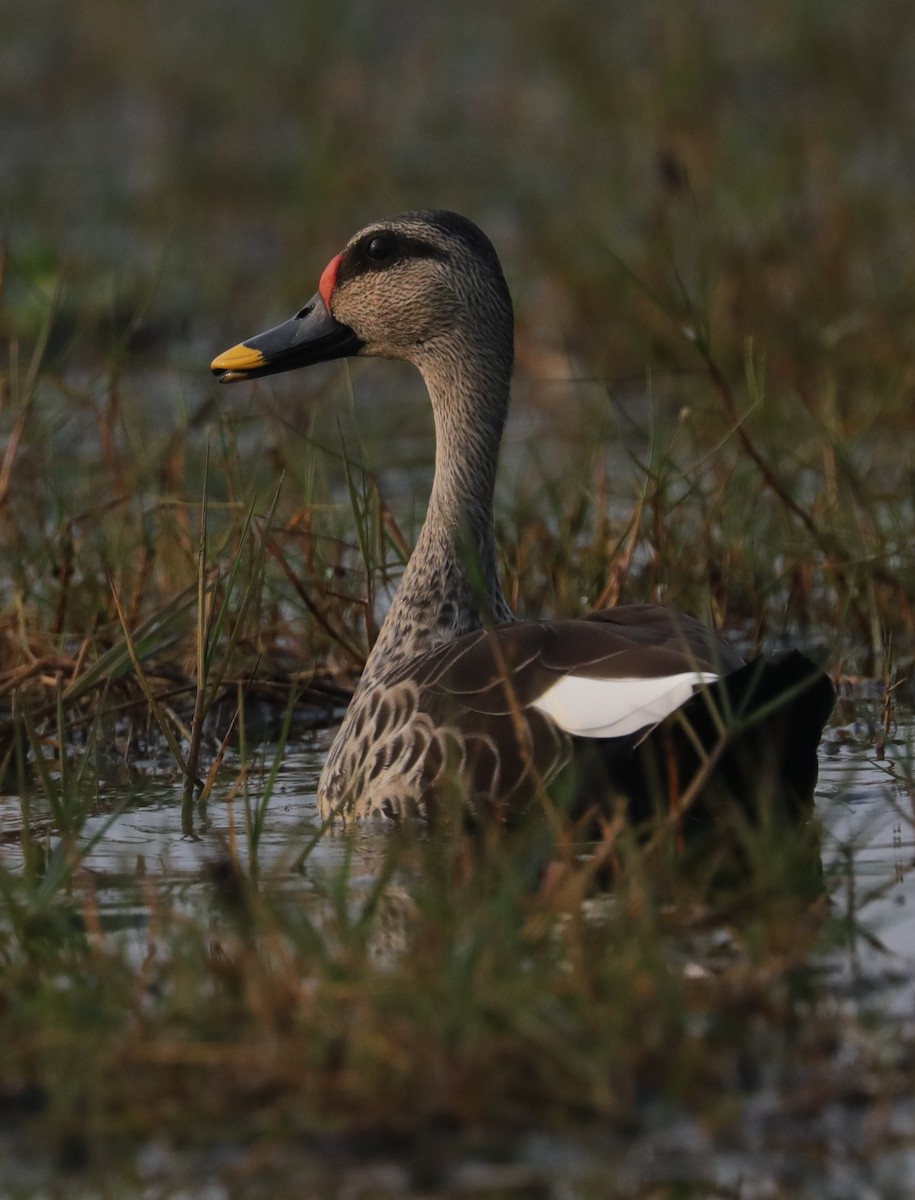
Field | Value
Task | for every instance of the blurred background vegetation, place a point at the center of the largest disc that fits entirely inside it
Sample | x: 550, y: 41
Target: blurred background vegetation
x: 651, y: 174
x: 229, y: 150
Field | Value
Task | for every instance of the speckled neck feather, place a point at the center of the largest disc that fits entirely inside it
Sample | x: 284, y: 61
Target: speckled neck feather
x: 451, y: 583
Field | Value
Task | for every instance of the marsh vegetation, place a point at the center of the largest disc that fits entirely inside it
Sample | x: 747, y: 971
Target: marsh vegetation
x: 706, y: 218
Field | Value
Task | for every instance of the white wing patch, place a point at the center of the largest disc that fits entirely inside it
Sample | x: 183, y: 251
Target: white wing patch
x: 606, y: 708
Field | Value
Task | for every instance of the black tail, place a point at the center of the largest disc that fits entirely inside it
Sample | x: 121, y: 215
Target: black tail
x: 751, y: 738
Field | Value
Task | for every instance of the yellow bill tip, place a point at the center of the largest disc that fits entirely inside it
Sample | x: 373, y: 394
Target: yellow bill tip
x: 237, y: 362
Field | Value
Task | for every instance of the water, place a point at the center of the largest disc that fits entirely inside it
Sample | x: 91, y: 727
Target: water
x: 862, y: 802
x: 868, y: 853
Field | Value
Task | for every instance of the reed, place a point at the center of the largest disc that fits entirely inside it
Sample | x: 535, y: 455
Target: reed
x: 703, y: 214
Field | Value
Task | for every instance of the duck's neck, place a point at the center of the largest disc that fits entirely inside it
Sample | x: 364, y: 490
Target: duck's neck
x: 451, y: 584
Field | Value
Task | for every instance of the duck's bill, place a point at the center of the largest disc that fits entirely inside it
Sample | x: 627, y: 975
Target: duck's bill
x: 312, y: 336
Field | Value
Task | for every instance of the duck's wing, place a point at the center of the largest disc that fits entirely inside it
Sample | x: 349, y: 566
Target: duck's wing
x: 518, y: 697
x: 602, y: 668
x: 525, y: 700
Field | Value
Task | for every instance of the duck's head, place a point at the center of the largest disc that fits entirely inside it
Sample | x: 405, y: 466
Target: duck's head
x: 421, y: 286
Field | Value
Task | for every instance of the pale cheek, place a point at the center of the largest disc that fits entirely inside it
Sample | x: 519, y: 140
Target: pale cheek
x: 396, y: 322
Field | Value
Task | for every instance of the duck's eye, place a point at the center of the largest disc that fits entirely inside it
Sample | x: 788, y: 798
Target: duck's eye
x: 380, y: 248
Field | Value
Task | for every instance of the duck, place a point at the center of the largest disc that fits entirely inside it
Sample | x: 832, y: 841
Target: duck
x: 461, y: 702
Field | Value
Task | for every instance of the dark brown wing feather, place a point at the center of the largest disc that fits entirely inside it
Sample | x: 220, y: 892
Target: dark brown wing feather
x: 630, y: 642
x: 483, y: 686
